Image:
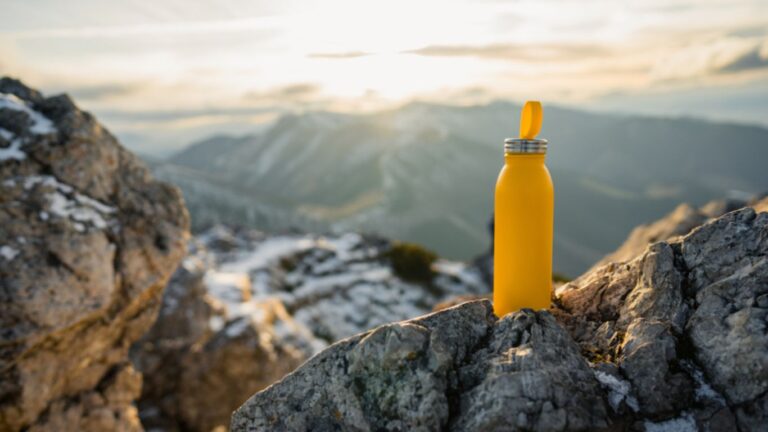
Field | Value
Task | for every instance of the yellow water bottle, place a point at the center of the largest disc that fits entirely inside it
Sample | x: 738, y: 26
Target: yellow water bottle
x: 524, y: 218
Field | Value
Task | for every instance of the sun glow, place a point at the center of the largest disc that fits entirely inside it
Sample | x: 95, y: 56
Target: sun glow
x: 361, y: 55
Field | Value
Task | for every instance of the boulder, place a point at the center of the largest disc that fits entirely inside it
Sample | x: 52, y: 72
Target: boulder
x: 673, y: 339
x: 88, y: 241
x: 201, y: 359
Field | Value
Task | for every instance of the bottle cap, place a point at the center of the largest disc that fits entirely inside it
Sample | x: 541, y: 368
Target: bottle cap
x: 531, y: 117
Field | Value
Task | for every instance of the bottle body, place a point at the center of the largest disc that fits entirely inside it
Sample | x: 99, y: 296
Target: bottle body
x: 523, y: 225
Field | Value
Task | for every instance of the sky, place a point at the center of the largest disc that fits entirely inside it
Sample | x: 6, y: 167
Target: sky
x: 160, y: 73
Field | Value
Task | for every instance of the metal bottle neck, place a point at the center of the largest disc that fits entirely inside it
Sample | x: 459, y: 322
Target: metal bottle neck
x: 519, y: 145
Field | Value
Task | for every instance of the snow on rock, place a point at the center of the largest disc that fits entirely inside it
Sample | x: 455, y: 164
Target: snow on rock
x: 704, y: 391
x: 618, y: 390
x: 64, y: 202
x: 13, y: 149
x: 41, y: 125
x: 242, y: 298
x: 73, y: 304
x: 37, y: 124
x: 336, y: 285
x: 8, y: 252
x: 685, y: 423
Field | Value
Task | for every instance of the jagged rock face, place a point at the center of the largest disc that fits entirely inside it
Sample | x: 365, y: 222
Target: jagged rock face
x: 458, y: 369
x: 674, y: 339
x: 679, y: 222
x: 87, y: 242
x: 287, y: 296
x: 684, y: 323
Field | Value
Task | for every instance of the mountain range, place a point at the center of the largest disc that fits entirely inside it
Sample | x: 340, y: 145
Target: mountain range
x: 425, y: 173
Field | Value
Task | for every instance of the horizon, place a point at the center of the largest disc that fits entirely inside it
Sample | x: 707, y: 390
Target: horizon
x: 175, y: 73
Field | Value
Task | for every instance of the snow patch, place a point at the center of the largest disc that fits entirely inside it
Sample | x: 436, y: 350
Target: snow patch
x: 704, y: 392
x: 13, y: 151
x: 335, y: 285
x: 684, y: 423
x: 619, y: 390
x: 8, y: 252
x: 266, y: 253
x: 64, y: 202
x: 237, y: 327
x: 216, y: 323
x: 228, y: 287
x: 41, y: 125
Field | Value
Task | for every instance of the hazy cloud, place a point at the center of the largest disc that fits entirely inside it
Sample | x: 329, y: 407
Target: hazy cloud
x: 527, y: 52
x: 339, y: 55
x: 756, y: 58
x: 102, y: 91
x: 298, y: 92
x: 149, y: 29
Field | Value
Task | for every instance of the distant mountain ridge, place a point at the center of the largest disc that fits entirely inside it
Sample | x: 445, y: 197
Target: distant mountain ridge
x: 426, y: 173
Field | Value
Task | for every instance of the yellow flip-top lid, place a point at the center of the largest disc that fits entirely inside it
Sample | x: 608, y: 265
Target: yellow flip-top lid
x: 531, y: 117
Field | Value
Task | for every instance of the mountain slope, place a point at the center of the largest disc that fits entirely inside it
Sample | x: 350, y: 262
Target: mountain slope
x: 426, y: 173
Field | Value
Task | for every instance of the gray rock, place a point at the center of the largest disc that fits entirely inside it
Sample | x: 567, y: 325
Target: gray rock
x: 529, y: 376
x: 674, y: 338
x: 457, y: 369
x: 397, y: 377
x: 679, y: 222
x: 685, y: 323
x: 88, y: 241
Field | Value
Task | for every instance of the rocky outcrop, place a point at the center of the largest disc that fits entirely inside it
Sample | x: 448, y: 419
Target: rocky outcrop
x: 673, y: 339
x: 459, y: 369
x: 88, y: 241
x: 242, y: 298
x: 679, y: 222
x: 202, y: 359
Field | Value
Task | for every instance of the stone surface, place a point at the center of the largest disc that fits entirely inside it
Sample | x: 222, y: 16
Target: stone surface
x: 673, y: 339
x: 679, y: 222
x: 201, y: 360
x: 396, y: 377
x: 290, y: 295
x: 683, y: 322
x: 88, y: 241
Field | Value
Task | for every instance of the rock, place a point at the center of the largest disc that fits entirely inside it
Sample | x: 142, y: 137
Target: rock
x: 457, y: 369
x: 201, y: 359
x: 683, y: 322
x: 219, y: 375
x: 529, y: 376
x: 109, y: 407
x: 679, y: 222
x: 674, y: 338
x: 397, y: 377
x: 290, y: 294
x: 87, y: 244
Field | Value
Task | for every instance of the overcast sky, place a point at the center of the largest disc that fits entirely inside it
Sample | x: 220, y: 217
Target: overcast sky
x: 176, y: 65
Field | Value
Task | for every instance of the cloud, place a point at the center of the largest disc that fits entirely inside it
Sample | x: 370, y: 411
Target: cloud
x: 155, y: 117
x: 755, y: 58
x: 102, y: 91
x: 717, y: 58
x: 299, y: 92
x: 339, y: 55
x: 151, y: 29
x: 505, y: 51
